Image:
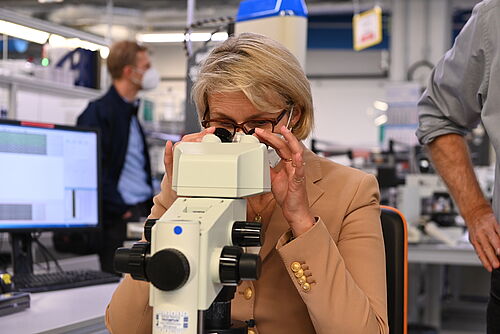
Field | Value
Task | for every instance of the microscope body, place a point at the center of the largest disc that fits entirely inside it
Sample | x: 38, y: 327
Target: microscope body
x: 196, y: 247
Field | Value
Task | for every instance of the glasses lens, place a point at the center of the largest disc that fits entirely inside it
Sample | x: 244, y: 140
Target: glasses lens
x: 262, y: 124
x: 221, y: 124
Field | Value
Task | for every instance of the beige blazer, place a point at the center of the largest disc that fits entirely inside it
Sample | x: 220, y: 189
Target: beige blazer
x: 342, y: 256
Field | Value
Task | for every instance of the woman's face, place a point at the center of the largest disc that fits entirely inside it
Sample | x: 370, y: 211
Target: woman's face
x: 236, y: 108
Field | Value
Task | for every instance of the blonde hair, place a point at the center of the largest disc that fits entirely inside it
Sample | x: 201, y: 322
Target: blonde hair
x: 122, y: 53
x: 264, y: 70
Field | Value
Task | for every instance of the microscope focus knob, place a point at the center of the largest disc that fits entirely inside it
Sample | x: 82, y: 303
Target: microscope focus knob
x: 132, y: 260
x: 247, y: 234
x: 147, y: 228
x: 249, y: 267
x: 229, y: 265
x: 168, y: 269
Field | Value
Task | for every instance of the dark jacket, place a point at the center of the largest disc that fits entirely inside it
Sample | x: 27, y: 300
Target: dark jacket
x: 111, y: 114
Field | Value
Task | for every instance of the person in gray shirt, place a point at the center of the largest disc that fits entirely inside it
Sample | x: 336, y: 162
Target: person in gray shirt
x: 464, y: 89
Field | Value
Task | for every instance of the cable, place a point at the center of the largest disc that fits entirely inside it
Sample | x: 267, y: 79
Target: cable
x: 35, y: 237
x: 199, y: 24
x: 44, y: 249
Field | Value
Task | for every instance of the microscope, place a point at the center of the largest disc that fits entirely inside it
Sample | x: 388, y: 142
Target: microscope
x: 194, y: 255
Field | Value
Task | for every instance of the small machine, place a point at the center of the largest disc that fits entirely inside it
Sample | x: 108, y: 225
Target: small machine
x: 194, y: 254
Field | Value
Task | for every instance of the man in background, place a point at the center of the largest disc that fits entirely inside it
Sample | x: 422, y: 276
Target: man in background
x: 126, y: 170
x: 464, y: 89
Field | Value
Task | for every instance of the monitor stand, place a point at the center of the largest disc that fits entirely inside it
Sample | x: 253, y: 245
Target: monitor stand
x: 22, y: 255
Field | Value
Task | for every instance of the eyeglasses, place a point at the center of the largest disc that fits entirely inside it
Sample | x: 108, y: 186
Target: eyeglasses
x: 247, y: 127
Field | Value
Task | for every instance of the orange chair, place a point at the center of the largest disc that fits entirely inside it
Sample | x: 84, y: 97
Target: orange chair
x: 396, y: 256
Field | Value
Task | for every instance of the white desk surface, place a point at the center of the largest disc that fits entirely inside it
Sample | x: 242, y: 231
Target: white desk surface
x: 443, y: 254
x: 60, y: 311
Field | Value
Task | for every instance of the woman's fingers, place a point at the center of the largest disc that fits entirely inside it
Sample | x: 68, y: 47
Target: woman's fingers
x: 197, y: 137
x: 168, y: 159
x: 277, y: 143
x: 293, y: 143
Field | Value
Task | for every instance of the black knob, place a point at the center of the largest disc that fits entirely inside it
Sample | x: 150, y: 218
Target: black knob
x: 224, y: 135
x: 247, y: 234
x: 229, y: 265
x: 249, y: 267
x: 168, y: 269
x: 132, y: 260
x: 147, y: 228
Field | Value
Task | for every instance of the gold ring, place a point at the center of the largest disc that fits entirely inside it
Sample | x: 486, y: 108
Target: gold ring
x: 299, y: 179
x: 288, y: 160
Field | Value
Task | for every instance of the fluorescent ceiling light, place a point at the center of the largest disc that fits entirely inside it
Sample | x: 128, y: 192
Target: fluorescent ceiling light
x: 58, y: 41
x: 381, y: 120
x: 161, y: 38
x: 380, y: 105
x: 22, y: 32
x: 180, y: 37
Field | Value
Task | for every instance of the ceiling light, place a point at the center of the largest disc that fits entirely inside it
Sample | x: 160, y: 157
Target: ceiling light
x: 161, y: 38
x: 57, y: 41
x: 23, y: 32
x: 381, y: 120
x: 180, y: 37
x: 380, y: 105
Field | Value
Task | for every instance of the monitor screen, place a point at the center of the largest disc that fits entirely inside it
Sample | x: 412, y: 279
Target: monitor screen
x: 49, y: 177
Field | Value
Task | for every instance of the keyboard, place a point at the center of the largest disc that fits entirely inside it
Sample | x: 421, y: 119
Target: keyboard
x: 61, y: 280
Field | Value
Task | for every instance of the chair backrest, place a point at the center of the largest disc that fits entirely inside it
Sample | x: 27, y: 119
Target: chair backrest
x: 396, y: 257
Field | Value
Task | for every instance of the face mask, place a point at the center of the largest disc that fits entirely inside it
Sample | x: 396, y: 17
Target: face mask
x: 150, y: 79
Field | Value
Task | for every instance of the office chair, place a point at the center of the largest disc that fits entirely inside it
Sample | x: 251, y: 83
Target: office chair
x: 396, y: 255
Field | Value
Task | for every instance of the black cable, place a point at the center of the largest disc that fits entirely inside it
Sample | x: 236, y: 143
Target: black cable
x: 228, y: 20
x: 35, y: 237
x: 3, y: 264
x: 44, y: 249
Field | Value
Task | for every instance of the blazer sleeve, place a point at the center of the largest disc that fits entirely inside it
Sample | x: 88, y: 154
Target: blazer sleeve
x: 129, y: 310
x: 347, y: 279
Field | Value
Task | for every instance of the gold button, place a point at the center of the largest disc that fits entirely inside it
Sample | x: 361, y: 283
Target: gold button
x: 299, y: 273
x: 251, y: 331
x: 296, y: 266
x: 306, y: 287
x: 248, y: 293
x: 302, y: 280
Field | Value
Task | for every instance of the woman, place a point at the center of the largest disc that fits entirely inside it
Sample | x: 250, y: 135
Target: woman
x: 323, y: 264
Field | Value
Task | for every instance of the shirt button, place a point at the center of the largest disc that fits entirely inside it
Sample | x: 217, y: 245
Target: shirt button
x: 248, y: 293
x: 295, y: 266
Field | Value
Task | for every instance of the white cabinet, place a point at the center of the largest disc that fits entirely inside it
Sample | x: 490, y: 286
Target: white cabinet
x: 31, y: 99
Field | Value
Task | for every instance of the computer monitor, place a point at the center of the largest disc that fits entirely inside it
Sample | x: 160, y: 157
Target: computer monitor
x: 49, y: 180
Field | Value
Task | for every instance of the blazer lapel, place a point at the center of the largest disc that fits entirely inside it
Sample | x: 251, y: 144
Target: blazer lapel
x: 278, y: 225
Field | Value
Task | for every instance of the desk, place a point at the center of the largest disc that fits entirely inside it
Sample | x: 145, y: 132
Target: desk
x: 435, y: 256
x: 79, y: 310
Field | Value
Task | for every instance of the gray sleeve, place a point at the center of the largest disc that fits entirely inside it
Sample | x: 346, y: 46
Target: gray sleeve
x: 457, y: 86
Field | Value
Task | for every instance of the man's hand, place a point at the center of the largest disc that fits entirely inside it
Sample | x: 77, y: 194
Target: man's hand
x: 484, y: 235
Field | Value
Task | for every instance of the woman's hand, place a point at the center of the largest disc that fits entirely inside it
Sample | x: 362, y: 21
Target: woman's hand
x: 288, y: 180
x: 168, y: 161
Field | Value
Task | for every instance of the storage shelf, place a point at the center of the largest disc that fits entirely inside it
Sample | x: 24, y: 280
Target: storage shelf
x: 49, y: 87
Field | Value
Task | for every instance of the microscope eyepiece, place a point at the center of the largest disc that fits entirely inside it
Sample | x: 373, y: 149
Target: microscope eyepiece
x: 132, y: 260
x: 224, y: 135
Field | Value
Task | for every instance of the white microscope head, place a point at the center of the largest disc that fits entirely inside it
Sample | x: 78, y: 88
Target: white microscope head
x: 215, y: 169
